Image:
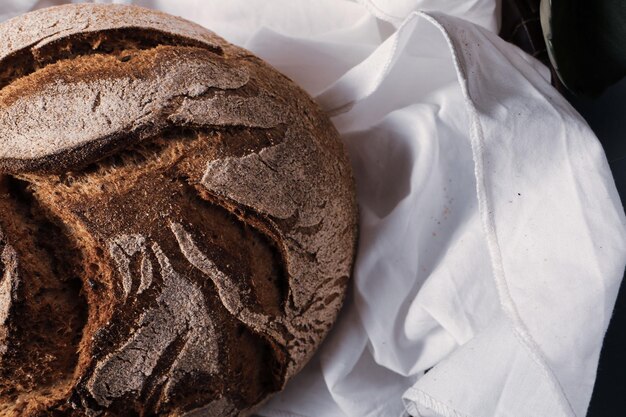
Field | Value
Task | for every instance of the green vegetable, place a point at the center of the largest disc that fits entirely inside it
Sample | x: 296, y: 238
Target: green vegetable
x: 586, y: 42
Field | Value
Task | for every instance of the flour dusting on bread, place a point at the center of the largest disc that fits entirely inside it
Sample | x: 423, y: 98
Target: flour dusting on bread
x: 181, y: 218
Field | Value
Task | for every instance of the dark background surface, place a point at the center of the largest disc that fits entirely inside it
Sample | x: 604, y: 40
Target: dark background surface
x: 607, y: 117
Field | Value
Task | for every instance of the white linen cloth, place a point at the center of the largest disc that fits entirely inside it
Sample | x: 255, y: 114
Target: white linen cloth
x: 492, y: 239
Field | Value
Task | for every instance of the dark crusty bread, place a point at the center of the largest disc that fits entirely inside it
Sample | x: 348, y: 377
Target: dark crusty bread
x: 177, y: 219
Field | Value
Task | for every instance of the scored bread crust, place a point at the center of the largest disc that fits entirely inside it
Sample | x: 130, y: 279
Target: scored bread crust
x: 85, y: 84
x: 42, y: 27
x: 32, y: 37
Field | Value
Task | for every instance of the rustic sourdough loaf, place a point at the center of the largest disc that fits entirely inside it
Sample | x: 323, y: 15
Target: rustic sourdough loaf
x: 177, y: 219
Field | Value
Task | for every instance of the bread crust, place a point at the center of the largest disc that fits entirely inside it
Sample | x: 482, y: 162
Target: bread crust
x: 207, y: 199
x: 43, y: 27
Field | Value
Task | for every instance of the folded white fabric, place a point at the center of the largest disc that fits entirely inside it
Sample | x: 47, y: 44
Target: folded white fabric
x: 481, y: 12
x: 492, y: 238
x: 11, y: 8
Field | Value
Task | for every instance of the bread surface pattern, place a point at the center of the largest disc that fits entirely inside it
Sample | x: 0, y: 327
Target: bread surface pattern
x: 177, y: 219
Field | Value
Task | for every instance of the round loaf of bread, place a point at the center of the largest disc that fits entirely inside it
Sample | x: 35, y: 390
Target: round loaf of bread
x: 177, y: 219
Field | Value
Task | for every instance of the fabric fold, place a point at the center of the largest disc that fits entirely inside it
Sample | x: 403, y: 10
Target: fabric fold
x: 526, y: 140
x: 499, y: 376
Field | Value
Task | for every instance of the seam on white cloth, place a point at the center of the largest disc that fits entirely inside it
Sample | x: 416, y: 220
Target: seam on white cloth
x: 507, y: 303
x: 428, y: 401
x: 520, y: 330
x: 378, y: 12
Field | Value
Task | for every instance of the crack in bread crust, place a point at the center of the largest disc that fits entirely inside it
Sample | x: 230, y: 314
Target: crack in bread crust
x: 46, y: 34
x: 121, y: 249
x: 121, y: 43
x: 134, y: 99
x: 8, y: 287
x: 152, y: 355
x: 179, y: 311
x: 42, y: 306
